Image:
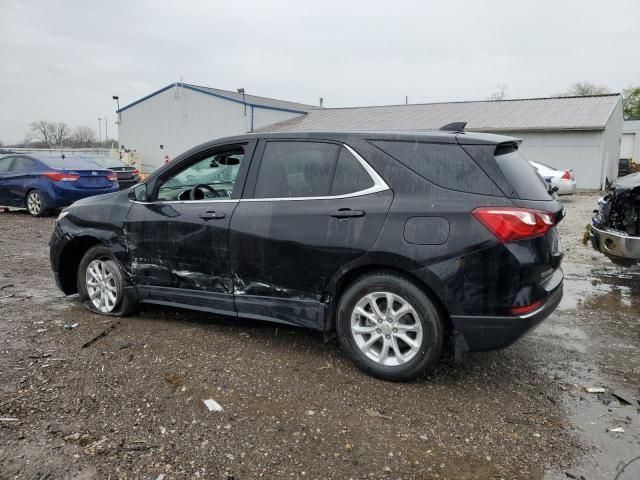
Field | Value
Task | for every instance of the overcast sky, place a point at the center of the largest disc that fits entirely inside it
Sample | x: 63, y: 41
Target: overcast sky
x: 63, y: 60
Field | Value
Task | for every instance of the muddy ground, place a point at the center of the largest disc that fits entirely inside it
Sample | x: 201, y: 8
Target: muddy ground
x: 130, y: 405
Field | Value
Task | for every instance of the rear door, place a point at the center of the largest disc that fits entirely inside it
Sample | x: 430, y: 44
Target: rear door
x: 309, y: 208
x: 5, y: 168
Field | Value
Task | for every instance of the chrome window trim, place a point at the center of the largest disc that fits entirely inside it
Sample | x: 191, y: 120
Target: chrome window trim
x: 165, y: 202
x: 379, y: 185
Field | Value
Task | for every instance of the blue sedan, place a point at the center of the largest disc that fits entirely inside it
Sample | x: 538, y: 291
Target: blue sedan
x: 41, y: 183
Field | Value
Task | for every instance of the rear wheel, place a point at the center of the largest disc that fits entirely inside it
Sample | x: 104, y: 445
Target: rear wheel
x: 35, y: 204
x: 101, y: 285
x: 389, y: 327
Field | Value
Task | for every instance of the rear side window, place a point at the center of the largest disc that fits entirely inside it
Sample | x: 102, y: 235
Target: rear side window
x: 446, y: 165
x: 296, y: 169
x: 522, y: 176
x: 23, y: 164
x: 350, y: 175
x: 5, y: 163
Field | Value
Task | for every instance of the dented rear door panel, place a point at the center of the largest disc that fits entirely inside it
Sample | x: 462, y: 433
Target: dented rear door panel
x: 289, y: 250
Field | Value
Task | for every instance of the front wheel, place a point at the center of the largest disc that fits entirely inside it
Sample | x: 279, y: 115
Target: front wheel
x: 101, y: 285
x: 389, y: 327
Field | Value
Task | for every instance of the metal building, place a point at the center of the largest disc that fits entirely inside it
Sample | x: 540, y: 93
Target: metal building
x: 180, y: 116
x: 578, y: 133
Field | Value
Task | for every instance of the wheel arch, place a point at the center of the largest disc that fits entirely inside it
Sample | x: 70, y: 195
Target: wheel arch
x: 70, y: 258
x: 352, y: 275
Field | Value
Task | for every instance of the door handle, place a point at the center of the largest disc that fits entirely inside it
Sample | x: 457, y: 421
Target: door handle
x: 347, y: 213
x: 212, y: 216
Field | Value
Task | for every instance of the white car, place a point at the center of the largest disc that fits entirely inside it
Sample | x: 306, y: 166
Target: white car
x: 563, y: 179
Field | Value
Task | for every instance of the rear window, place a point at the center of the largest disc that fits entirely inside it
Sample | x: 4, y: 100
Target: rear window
x: 446, y: 165
x: 106, y: 162
x: 72, y: 163
x: 522, y: 176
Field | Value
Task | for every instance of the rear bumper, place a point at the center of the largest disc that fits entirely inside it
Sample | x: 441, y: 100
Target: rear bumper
x: 126, y: 184
x: 63, y: 196
x: 482, y: 333
x: 615, y: 244
x: 567, y: 187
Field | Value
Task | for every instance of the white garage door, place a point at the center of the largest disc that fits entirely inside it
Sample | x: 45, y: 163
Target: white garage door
x: 626, y: 147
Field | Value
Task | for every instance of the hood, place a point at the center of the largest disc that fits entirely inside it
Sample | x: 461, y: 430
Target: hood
x: 627, y: 182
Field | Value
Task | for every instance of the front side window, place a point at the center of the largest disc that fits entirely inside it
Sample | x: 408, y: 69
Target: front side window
x: 23, y: 164
x: 210, y: 178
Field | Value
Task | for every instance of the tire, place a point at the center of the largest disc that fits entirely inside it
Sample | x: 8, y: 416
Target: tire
x: 101, y: 284
x: 35, y: 204
x: 421, y: 324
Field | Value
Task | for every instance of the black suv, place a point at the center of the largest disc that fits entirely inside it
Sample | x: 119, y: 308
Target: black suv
x: 399, y: 243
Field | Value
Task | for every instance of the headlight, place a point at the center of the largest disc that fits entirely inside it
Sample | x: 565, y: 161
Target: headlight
x: 63, y: 214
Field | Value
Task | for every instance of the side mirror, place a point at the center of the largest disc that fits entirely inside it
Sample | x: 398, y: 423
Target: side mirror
x: 138, y: 192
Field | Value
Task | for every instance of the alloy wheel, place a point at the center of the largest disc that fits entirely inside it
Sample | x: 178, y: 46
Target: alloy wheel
x: 386, y: 328
x: 102, y: 287
x: 34, y: 203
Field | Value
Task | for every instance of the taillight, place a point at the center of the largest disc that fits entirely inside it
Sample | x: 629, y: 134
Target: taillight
x: 61, y: 177
x: 112, y: 177
x: 512, y: 224
x: 525, y: 309
x: 135, y: 172
x: 566, y: 175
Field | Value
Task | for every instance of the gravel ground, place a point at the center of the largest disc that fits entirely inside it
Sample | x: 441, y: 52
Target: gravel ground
x: 130, y: 405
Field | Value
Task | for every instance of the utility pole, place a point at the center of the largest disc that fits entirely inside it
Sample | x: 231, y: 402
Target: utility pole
x: 99, y: 130
x: 106, y: 131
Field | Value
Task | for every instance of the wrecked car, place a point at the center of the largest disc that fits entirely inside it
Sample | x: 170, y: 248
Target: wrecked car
x: 615, y: 227
x: 399, y: 244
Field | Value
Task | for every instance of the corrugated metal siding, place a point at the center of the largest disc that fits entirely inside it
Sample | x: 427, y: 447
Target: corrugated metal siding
x: 527, y: 114
x: 611, y: 144
x: 569, y: 150
x: 180, y: 119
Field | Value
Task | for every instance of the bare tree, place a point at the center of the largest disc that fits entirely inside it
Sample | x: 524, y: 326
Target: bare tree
x: 60, y: 133
x: 499, y: 94
x: 583, y: 89
x: 83, y: 137
x: 41, y: 130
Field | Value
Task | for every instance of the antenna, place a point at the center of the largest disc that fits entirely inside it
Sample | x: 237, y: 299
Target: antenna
x: 454, y: 127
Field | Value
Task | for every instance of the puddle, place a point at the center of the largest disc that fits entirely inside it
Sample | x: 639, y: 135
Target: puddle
x: 598, y: 321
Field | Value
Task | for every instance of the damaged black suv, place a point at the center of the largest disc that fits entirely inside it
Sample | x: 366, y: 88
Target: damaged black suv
x: 401, y: 244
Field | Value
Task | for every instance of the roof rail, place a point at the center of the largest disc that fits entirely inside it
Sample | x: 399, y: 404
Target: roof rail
x: 454, y: 127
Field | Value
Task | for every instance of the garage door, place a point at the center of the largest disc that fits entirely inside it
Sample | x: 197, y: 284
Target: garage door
x: 626, y: 147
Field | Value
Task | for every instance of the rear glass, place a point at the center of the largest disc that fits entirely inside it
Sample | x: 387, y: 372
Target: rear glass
x: 106, y: 162
x: 72, y: 163
x: 523, y: 177
x: 446, y: 165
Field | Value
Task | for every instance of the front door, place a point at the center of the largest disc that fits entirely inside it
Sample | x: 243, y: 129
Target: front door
x: 178, y: 239
x: 310, y: 208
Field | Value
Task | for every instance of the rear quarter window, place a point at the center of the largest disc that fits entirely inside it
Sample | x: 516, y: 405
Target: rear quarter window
x: 445, y: 165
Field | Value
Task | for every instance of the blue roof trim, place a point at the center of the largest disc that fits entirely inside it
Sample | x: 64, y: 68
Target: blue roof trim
x: 199, y: 90
x: 144, y: 98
